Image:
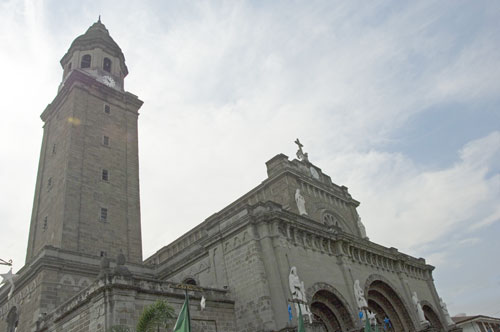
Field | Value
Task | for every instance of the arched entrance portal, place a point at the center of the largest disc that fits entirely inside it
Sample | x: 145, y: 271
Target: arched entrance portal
x: 386, y: 303
x: 330, y: 312
x: 432, y: 317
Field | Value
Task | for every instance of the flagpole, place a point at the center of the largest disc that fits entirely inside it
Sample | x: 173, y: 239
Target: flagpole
x: 183, y: 323
x: 300, y: 319
x: 187, y: 311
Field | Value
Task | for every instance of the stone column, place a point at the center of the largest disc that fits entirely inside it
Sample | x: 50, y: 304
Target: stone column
x: 344, y: 265
x: 272, y: 269
x: 407, y: 292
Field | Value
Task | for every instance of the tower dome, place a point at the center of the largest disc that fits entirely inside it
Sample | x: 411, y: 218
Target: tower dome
x: 96, y: 53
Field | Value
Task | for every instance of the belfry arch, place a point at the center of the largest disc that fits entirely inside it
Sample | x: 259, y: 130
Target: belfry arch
x: 384, y: 301
x: 330, y: 309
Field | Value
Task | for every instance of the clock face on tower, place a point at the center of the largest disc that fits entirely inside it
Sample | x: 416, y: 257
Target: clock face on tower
x: 107, y: 80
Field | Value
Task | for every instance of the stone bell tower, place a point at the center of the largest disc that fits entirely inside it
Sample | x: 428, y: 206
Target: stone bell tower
x: 87, y: 188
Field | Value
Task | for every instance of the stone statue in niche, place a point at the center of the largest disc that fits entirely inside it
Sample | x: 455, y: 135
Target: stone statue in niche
x: 418, y: 308
x: 443, y: 306
x: 298, y: 292
x: 362, y: 229
x: 360, y: 296
x: 301, y: 202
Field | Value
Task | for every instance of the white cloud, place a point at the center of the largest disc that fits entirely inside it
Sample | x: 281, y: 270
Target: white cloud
x: 490, y: 219
x: 473, y: 74
x: 418, y: 205
x: 229, y: 85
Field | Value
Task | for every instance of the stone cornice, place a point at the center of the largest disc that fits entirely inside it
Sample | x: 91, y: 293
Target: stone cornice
x: 70, y: 262
x: 389, y: 259
x: 50, y: 257
x: 79, y: 79
x: 296, y: 230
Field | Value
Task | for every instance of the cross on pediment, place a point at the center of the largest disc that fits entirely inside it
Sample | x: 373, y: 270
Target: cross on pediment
x: 301, y: 154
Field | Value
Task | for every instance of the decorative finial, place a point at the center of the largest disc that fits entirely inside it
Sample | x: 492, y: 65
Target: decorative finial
x: 120, y: 268
x: 99, y: 20
x: 300, y: 154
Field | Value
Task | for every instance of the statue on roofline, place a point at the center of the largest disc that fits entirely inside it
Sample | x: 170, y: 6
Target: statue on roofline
x: 301, y: 202
x: 418, y: 308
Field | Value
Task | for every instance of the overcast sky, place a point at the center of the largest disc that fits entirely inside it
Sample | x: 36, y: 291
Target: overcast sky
x: 399, y: 101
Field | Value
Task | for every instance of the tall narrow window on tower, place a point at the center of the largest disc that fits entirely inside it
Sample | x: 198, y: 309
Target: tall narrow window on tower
x: 105, y: 175
x: 107, y: 65
x: 104, y: 214
x: 86, y: 59
x: 107, y: 109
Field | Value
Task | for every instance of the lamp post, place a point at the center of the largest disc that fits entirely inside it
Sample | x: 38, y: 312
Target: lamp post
x: 8, y: 263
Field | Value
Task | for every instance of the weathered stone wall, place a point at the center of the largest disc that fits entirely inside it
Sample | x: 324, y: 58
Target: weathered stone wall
x: 87, y: 193
x: 120, y: 301
x: 236, y: 263
x: 48, y: 205
x: 52, y: 278
x: 248, y: 281
x: 254, y: 252
x: 25, y: 299
x: 66, y: 212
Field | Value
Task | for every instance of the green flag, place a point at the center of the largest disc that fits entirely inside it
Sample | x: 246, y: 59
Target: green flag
x: 367, y: 325
x: 183, y: 323
x: 301, y: 321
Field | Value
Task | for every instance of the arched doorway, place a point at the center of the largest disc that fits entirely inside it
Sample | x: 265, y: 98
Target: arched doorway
x: 432, y: 316
x: 331, y: 313
x: 386, y: 303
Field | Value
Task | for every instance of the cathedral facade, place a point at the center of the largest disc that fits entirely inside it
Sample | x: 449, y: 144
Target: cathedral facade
x: 294, y: 243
